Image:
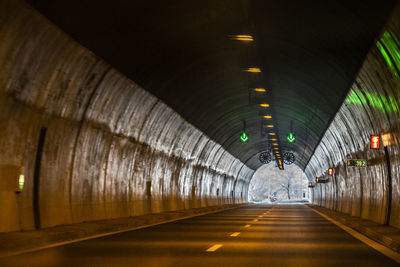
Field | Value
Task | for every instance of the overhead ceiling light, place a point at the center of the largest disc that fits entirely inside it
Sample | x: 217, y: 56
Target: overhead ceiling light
x: 270, y: 126
x: 264, y: 105
x: 260, y: 90
x: 268, y: 116
x: 275, y: 144
x: 272, y: 133
x: 253, y: 70
x: 276, y: 148
x: 242, y: 37
x: 274, y: 139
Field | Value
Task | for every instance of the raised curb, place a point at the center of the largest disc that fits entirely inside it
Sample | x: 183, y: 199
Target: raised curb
x: 388, y: 236
x: 14, y: 243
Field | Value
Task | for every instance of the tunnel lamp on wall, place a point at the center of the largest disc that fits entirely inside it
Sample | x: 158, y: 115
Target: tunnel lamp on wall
x: 272, y: 134
x: 264, y: 105
x: 275, y: 144
x: 253, y: 70
x: 330, y: 171
x: 242, y: 37
x: 274, y: 139
x: 270, y: 126
x: 267, y: 117
x: 375, y: 141
x: 261, y: 90
x: 386, y: 139
x: 21, y: 181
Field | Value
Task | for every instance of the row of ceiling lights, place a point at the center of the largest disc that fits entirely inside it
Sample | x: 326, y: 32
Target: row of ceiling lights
x: 276, y: 150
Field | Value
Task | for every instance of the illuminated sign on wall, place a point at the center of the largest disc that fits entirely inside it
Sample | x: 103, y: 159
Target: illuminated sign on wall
x: 330, y: 171
x: 386, y: 139
x: 244, y: 138
x: 375, y: 141
x: 291, y: 138
x: 356, y: 163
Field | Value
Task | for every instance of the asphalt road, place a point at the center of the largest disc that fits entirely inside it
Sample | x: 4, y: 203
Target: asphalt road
x: 259, y: 235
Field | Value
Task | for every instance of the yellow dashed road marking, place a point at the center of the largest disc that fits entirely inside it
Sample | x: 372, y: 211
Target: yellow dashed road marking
x: 235, y: 234
x: 214, y: 248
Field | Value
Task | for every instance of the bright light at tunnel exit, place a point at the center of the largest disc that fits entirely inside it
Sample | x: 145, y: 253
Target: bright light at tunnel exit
x: 266, y: 184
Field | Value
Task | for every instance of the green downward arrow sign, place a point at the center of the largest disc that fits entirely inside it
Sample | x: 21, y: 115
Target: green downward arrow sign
x: 244, y: 137
x: 291, y: 138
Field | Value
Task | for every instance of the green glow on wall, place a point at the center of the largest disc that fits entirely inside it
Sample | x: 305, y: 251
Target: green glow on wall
x: 389, y: 45
x: 387, y: 58
x: 377, y: 101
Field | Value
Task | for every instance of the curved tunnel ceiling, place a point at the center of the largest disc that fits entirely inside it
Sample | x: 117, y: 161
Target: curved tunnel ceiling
x: 309, y: 53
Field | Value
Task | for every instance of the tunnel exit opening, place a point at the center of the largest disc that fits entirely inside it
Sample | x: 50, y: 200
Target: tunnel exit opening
x: 272, y: 185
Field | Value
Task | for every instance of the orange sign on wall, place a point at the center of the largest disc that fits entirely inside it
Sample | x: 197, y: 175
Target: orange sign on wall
x: 375, y: 141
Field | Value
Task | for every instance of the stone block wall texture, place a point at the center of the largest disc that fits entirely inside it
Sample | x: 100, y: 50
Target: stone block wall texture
x: 371, y: 108
x: 111, y: 149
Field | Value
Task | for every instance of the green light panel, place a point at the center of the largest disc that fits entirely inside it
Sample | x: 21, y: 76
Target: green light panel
x: 388, y: 45
x: 378, y: 101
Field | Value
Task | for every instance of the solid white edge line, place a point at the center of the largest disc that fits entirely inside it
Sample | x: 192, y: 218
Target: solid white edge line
x: 366, y: 240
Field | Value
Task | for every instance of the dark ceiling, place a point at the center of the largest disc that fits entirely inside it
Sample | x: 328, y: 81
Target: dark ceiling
x: 179, y: 50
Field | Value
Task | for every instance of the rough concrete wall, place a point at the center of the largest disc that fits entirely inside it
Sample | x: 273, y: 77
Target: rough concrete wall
x: 106, y: 137
x: 371, y: 108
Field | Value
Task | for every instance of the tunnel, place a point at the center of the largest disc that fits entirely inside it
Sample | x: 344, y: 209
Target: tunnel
x: 119, y: 115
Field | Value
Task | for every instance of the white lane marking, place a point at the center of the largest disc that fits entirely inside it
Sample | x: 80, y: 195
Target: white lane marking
x: 235, y: 234
x: 214, y: 248
x: 375, y: 245
x: 247, y: 225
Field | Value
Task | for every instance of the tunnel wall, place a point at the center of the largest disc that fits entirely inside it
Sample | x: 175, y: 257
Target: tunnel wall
x: 371, y: 108
x: 110, y: 149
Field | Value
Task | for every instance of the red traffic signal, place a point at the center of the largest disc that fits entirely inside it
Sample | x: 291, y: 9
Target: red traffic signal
x: 330, y: 171
x: 375, y: 141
